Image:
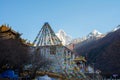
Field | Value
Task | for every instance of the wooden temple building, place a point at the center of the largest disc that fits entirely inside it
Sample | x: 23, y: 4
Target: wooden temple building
x: 7, y: 33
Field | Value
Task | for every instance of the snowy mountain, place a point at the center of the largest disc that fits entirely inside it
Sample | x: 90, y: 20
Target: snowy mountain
x: 91, y: 36
x: 66, y: 39
x: 103, y: 53
x: 94, y: 35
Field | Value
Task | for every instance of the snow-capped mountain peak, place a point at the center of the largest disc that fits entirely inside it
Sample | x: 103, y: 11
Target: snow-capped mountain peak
x: 61, y: 33
x: 94, y: 33
x: 66, y: 39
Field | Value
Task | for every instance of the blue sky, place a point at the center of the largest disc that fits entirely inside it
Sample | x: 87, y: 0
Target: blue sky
x: 76, y: 17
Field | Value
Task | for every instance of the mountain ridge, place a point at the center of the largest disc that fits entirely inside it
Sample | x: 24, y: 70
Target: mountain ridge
x: 104, y: 53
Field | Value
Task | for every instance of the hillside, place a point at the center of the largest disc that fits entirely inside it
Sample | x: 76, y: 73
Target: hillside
x: 104, y: 52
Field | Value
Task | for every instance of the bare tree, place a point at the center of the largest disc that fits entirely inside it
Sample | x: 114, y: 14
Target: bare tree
x: 38, y: 62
